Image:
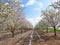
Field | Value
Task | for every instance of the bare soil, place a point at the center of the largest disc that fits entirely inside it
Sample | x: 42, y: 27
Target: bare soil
x: 50, y: 39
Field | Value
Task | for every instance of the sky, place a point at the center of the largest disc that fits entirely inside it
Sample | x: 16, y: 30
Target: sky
x: 33, y: 9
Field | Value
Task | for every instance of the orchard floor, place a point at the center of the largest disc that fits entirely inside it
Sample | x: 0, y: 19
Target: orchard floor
x: 49, y: 40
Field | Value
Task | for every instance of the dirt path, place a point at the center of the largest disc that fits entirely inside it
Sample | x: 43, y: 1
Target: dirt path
x: 16, y: 39
x: 36, y: 38
x: 5, y: 35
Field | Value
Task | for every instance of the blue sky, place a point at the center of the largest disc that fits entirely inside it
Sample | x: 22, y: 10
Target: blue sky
x: 33, y: 9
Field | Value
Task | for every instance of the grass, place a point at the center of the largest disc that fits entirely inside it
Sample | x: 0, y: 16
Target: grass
x: 51, y: 29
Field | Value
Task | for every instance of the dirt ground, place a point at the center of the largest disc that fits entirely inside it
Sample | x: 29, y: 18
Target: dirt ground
x: 49, y: 40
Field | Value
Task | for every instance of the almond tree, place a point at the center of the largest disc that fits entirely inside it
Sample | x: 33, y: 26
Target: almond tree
x: 4, y: 11
x: 11, y: 22
x: 56, y: 5
x: 42, y: 25
x: 15, y: 18
x: 7, y: 16
x: 51, y: 16
x: 23, y: 24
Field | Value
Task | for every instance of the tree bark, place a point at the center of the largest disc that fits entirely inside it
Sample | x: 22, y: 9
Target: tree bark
x: 12, y: 33
x: 47, y: 29
x: 54, y: 31
x: 21, y: 30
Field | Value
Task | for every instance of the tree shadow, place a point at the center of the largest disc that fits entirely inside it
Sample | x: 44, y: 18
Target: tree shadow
x: 52, y: 38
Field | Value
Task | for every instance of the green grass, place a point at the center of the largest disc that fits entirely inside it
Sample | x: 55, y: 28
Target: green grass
x: 51, y: 29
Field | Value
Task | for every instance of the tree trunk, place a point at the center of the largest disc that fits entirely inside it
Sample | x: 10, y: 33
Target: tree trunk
x: 21, y: 30
x: 54, y: 31
x: 12, y: 33
x: 47, y: 29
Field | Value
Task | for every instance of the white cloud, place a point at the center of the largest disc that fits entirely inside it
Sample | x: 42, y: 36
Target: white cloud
x: 39, y: 18
x: 52, y: 1
x: 39, y: 6
x: 34, y: 21
x: 6, y: 3
x: 22, y: 5
x: 55, y: 0
x: 30, y: 2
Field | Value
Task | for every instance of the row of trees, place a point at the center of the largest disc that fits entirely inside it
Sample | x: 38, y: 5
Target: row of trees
x: 12, y: 17
x: 51, y: 17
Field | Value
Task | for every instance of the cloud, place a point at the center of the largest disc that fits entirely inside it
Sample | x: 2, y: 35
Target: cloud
x: 52, y: 1
x: 6, y: 3
x: 34, y: 21
x: 22, y: 5
x: 39, y: 6
x: 30, y: 2
x: 55, y: 0
x: 38, y: 19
